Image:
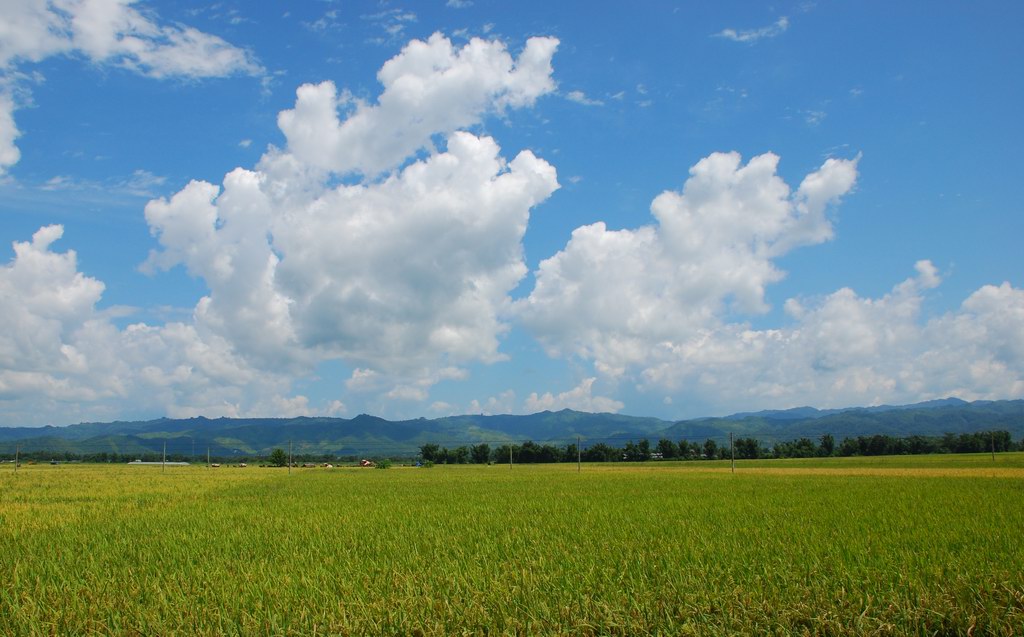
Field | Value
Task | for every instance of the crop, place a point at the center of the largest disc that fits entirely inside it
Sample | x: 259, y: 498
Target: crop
x: 783, y: 547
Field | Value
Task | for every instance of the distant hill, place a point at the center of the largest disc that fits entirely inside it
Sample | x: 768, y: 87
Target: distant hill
x: 930, y: 418
x: 801, y: 413
x: 369, y: 435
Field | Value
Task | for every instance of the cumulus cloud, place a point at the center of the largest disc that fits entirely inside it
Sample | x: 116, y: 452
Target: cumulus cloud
x: 110, y: 32
x: 615, y: 296
x: 60, y: 354
x: 394, y: 276
x: 753, y: 35
x: 403, y: 278
x: 660, y: 305
x: 580, y: 398
x: 850, y: 350
x: 430, y: 88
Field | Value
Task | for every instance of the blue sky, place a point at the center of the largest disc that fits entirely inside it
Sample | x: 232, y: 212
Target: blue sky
x: 672, y: 209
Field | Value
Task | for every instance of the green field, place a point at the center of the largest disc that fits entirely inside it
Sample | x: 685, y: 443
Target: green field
x: 912, y: 545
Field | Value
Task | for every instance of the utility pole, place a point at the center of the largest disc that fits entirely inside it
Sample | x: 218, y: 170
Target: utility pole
x: 17, y: 451
x: 289, y: 457
x: 579, y: 456
x: 510, y: 456
x: 207, y: 456
x: 992, y: 435
x: 163, y: 463
x: 732, y: 451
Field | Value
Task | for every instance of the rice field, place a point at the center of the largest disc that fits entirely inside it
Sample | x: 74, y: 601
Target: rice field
x: 892, y: 546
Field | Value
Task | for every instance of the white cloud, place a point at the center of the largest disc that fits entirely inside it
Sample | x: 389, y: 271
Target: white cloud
x: 336, y: 408
x: 108, y: 32
x: 753, y: 35
x: 141, y: 183
x: 813, y: 118
x: 615, y: 296
x: 579, y: 398
x: 442, y: 408
x: 403, y: 278
x: 658, y: 305
x: 61, y: 358
x: 503, y: 403
x: 429, y: 88
x: 113, y: 32
x: 407, y: 392
x: 581, y: 98
x: 392, y: 22
x: 849, y: 350
x: 392, y: 276
x: 32, y: 30
x: 9, y: 153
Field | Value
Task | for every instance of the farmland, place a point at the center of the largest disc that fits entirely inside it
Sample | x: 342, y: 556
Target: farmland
x: 903, y: 545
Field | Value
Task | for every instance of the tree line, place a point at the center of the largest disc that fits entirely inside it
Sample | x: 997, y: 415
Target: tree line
x: 745, y: 448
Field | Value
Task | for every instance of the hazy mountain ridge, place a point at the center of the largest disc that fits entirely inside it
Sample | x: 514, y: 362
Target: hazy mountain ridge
x: 365, y: 434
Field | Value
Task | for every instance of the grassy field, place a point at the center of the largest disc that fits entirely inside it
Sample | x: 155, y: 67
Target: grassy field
x: 914, y: 545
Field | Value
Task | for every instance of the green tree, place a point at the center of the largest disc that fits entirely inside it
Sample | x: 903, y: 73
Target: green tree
x: 668, y: 449
x: 430, y: 452
x: 828, y: 445
x: 481, y: 453
x: 570, y: 453
x: 710, y: 449
x: 502, y: 453
x: 748, y: 448
x: 278, y: 458
x: 601, y: 452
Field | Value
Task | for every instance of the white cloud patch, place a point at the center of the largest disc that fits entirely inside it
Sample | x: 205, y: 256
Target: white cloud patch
x: 9, y: 133
x: 657, y: 304
x: 751, y: 36
x: 503, y: 403
x: 430, y: 88
x: 814, y: 118
x: 404, y: 278
x: 579, y: 398
x: 581, y: 98
x: 392, y: 22
x: 849, y: 350
x: 141, y: 183
x: 615, y: 296
x: 391, y: 275
x: 61, y: 357
x: 106, y: 32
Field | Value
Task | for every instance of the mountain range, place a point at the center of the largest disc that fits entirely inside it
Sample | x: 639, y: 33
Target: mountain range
x: 369, y: 435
